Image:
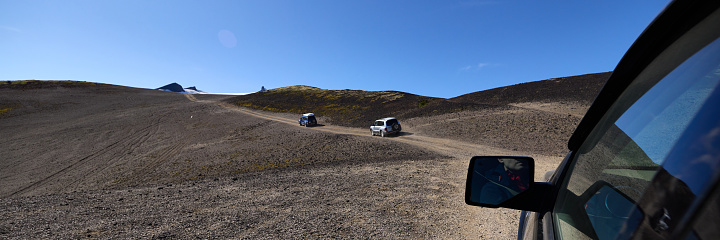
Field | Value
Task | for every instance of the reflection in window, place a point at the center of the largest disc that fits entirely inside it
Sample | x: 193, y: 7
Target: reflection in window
x: 627, y: 154
x: 656, y: 120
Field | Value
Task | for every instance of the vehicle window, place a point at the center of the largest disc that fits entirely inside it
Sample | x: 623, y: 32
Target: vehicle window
x: 391, y: 122
x: 622, y: 155
x: 379, y: 123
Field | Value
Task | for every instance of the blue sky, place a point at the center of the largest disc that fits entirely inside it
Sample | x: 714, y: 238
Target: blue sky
x: 431, y: 48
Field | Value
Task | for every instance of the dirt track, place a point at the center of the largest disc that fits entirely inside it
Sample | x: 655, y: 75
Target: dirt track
x: 143, y: 163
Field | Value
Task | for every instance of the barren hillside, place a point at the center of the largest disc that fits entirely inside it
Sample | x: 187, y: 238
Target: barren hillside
x: 94, y: 160
x: 535, y: 116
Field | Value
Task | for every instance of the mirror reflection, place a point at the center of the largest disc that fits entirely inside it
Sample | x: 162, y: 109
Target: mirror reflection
x: 609, y: 210
x: 497, y: 179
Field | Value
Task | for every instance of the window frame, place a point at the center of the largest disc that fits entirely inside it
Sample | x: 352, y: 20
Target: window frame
x: 604, y: 113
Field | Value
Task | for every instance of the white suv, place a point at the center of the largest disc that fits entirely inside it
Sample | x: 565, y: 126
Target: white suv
x: 385, y: 126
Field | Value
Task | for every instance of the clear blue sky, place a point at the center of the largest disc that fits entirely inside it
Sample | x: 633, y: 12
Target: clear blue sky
x: 431, y: 48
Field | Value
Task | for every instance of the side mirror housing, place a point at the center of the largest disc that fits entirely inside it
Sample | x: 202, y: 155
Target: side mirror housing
x: 505, y: 181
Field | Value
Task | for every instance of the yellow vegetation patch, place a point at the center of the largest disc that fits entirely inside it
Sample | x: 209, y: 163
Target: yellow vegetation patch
x: 313, y: 92
x: 4, y: 110
x: 324, y: 148
x: 25, y: 82
x: 295, y: 88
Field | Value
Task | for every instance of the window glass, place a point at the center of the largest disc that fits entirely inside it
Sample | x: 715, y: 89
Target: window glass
x: 621, y: 156
x: 655, y: 121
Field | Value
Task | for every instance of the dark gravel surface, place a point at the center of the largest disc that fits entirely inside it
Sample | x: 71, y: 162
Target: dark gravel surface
x: 376, y: 200
x: 114, y: 163
x: 509, y: 127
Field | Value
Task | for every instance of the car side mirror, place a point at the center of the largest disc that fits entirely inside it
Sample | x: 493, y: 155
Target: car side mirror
x: 507, y: 181
x: 493, y: 180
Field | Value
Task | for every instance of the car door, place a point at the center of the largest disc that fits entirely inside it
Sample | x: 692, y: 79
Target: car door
x: 377, y: 126
x: 647, y: 166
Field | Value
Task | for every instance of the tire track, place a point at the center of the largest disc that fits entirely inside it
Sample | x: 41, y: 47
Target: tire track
x: 130, y: 143
x: 146, y: 170
x: 131, y: 146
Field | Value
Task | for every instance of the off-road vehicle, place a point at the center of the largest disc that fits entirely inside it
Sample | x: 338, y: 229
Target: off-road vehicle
x: 385, y: 126
x: 307, y: 120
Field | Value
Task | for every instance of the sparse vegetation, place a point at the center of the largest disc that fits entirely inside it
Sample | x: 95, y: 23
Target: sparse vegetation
x: 342, y: 107
x: 423, y: 102
x: 357, y: 108
x: 35, y: 84
x: 4, y: 110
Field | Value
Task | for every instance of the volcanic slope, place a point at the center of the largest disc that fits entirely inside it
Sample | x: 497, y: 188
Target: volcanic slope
x: 95, y: 160
x: 92, y: 160
x: 70, y: 136
x: 535, y: 117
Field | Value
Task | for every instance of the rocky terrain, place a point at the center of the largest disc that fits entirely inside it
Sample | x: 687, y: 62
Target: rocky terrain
x: 86, y: 160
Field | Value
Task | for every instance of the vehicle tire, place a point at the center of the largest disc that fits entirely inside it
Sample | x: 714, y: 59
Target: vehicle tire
x: 395, y: 127
x: 382, y: 134
x: 372, y: 133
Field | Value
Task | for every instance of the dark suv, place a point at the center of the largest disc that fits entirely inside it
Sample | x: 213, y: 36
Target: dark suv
x: 644, y: 162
